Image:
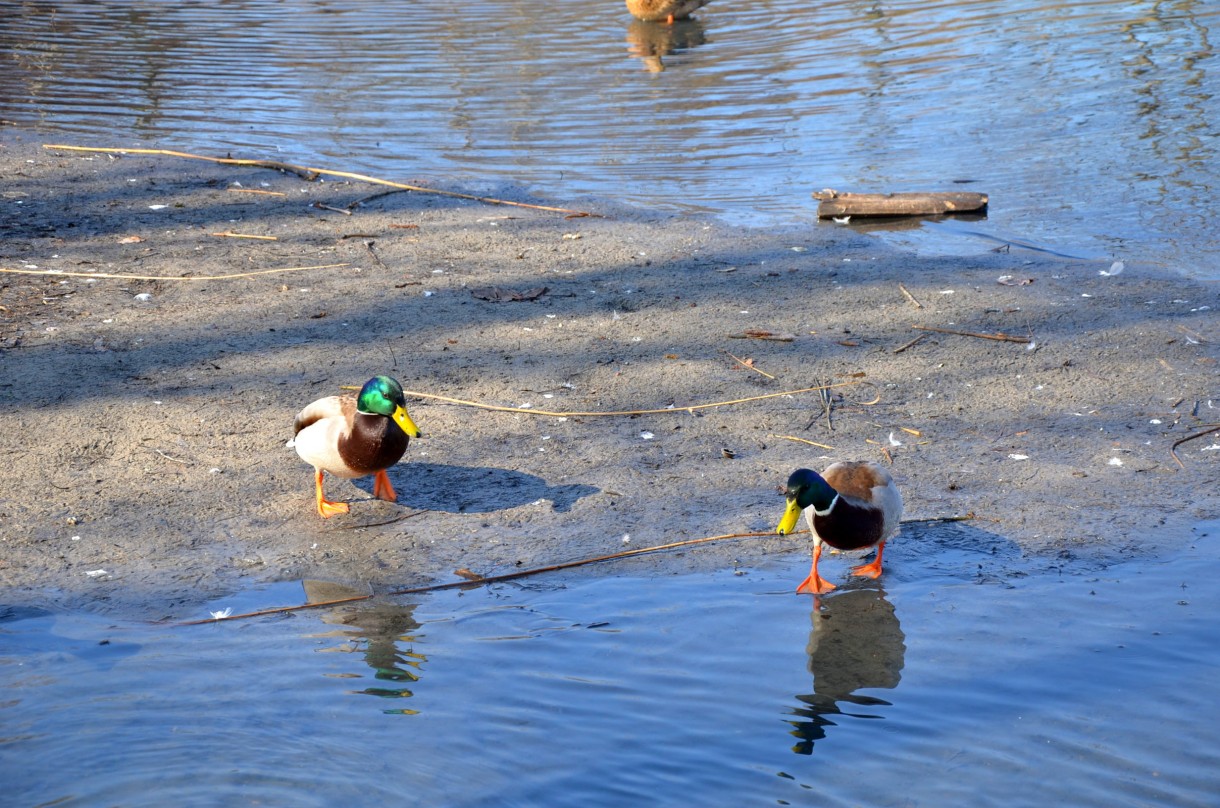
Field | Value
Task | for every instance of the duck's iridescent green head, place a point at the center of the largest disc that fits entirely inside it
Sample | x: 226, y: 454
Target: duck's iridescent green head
x: 804, y: 488
x: 382, y: 395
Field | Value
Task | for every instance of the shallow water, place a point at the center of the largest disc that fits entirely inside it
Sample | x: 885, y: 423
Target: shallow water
x: 1091, y: 125
x: 972, y: 675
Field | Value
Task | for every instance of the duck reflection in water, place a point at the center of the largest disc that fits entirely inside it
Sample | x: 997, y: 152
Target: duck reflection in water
x: 650, y: 41
x: 382, y: 631
x: 855, y: 643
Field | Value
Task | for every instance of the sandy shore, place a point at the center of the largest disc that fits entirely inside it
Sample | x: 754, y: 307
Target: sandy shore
x: 145, y: 420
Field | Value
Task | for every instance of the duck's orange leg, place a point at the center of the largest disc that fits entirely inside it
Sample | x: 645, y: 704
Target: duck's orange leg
x: 873, y: 568
x: 813, y: 584
x: 669, y: 20
x: 326, y: 508
x: 382, y: 488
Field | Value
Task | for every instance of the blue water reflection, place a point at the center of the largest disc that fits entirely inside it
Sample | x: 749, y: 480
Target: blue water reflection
x: 855, y: 644
x: 1091, y: 125
x: 620, y: 687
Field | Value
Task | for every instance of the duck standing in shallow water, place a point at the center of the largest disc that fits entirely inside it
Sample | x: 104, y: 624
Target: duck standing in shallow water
x: 663, y: 10
x: 850, y: 506
x: 354, y: 436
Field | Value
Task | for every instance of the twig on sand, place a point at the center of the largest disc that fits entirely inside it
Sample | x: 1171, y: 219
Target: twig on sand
x: 1180, y: 441
x: 115, y: 276
x: 749, y: 364
x: 323, y: 206
x: 313, y: 173
x: 980, y: 335
x: 909, y: 297
x: 910, y: 344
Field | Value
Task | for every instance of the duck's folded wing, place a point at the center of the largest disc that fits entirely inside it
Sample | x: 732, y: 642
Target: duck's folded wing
x: 329, y: 407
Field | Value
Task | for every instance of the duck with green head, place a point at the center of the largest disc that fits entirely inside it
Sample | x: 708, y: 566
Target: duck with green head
x: 853, y: 505
x: 354, y: 436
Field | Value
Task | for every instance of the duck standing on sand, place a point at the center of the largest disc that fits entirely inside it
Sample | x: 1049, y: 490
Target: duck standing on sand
x: 354, y: 436
x: 663, y: 10
x: 850, y: 506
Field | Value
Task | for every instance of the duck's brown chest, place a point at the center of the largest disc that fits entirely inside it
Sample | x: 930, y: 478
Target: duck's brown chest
x: 849, y: 526
x: 375, y: 443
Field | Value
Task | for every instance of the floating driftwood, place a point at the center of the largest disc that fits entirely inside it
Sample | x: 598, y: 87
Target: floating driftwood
x: 832, y: 204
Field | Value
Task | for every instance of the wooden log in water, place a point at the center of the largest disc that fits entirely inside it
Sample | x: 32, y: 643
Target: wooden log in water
x: 833, y: 203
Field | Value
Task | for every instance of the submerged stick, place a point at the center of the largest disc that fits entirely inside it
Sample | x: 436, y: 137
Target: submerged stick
x: 313, y: 173
x: 479, y: 581
x: 509, y: 576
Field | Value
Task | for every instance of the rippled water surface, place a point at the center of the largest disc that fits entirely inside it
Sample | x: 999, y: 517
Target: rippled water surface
x: 973, y: 675
x: 1092, y: 125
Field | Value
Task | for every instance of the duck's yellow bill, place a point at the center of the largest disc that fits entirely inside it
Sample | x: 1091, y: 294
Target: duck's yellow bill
x: 791, y: 514
x: 404, y: 421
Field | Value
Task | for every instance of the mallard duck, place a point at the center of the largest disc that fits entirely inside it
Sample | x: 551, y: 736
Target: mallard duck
x: 353, y: 436
x: 663, y: 10
x: 850, y: 506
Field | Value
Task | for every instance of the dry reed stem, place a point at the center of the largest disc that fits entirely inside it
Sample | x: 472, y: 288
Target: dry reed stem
x: 246, y: 235
x: 805, y: 440
x: 314, y: 173
x: 114, y: 276
x: 255, y: 191
x: 577, y: 414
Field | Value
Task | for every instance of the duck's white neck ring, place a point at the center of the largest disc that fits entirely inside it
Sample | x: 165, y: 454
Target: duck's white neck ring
x: 829, y: 507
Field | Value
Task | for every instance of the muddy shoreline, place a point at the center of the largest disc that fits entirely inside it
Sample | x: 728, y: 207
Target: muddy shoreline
x: 145, y: 420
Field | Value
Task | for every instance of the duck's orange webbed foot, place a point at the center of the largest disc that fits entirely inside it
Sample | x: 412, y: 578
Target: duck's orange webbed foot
x: 873, y: 568
x: 382, y: 488
x: 326, y: 508
x: 815, y: 585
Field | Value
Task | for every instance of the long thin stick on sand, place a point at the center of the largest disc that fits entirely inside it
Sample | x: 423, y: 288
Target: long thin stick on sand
x: 593, y: 414
x: 313, y: 173
x: 111, y: 275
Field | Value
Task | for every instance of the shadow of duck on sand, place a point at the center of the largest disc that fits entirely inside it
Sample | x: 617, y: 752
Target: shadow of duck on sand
x: 475, y: 489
